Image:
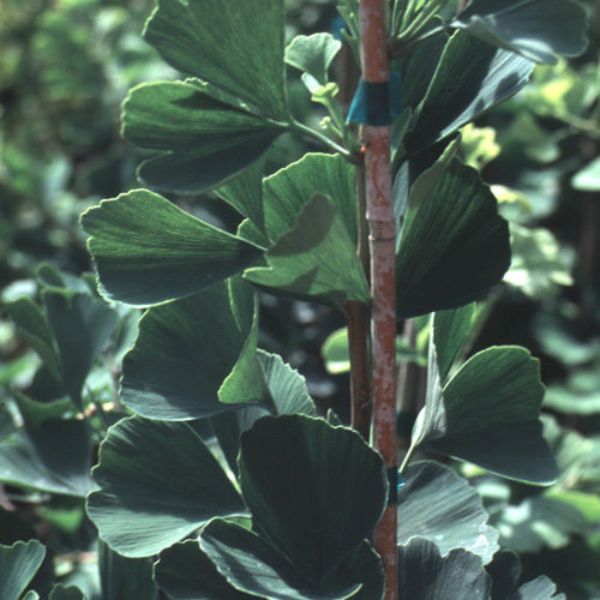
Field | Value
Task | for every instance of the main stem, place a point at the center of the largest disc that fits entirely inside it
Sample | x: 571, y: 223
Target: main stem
x: 382, y: 242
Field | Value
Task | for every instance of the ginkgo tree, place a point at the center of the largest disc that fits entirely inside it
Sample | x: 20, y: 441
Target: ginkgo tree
x: 218, y: 479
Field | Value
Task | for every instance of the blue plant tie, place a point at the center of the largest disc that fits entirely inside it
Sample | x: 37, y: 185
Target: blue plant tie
x: 376, y: 104
x: 396, y: 483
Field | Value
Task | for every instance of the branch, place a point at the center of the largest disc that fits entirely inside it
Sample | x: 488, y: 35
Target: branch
x: 382, y: 225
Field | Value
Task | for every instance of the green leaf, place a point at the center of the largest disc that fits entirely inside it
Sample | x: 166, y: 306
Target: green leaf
x: 53, y: 457
x: 505, y: 571
x: 537, y: 29
x: 315, y: 260
x: 202, y: 140
x: 451, y: 330
x: 588, y: 178
x: 313, y: 54
x: 122, y: 577
x: 541, y: 588
x: 63, y: 592
x: 453, y: 246
x: 159, y: 482
x: 81, y: 325
x: 224, y: 43
x: 35, y: 412
x: 424, y: 574
x: 488, y: 414
x: 18, y: 564
x: 32, y: 325
x: 287, y: 192
x: 186, y: 573
x: 254, y: 566
x: 215, y: 329
x: 472, y: 76
x: 455, y: 517
x: 149, y: 251
x: 314, y: 491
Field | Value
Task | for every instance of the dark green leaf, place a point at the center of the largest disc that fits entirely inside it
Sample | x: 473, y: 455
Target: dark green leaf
x: 149, y: 251
x: 488, y: 414
x: 125, y: 578
x: 315, y: 260
x: 453, y: 246
x: 18, y: 564
x: 35, y: 412
x: 455, y: 517
x: 424, y: 574
x: 471, y: 77
x: 54, y: 457
x: 214, y: 330
x: 313, y: 54
x: 315, y: 491
x: 186, y: 573
x: 236, y: 46
x: 159, y: 482
x: 537, y: 29
x: 207, y: 141
x: 82, y: 325
x: 252, y: 565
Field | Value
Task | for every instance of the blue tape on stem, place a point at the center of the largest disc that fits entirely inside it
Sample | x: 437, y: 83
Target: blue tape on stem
x: 375, y: 103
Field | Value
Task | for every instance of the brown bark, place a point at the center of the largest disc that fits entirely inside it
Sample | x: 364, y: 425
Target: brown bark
x: 382, y: 242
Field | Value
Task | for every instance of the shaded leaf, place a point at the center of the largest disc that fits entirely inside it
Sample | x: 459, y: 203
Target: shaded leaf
x: 471, y: 77
x: 159, y: 482
x: 81, y: 325
x: 244, y: 193
x: 453, y: 246
x: 314, y: 491
x: 537, y: 29
x: 161, y: 374
x: 224, y: 43
x: 124, y: 578
x: 18, y: 564
x: 149, y: 251
x: 186, y: 573
x: 423, y: 573
x: 505, y: 571
x: 455, y: 517
x: 488, y: 414
x: 54, y: 457
x: 287, y: 192
x: 254, y: 566
x: 315, y: 260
